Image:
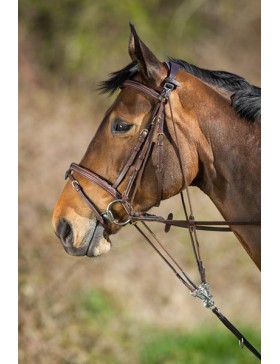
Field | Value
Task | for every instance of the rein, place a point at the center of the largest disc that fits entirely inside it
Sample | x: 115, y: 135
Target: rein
x: 137, y: 162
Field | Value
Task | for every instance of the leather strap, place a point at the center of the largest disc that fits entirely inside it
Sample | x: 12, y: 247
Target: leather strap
x: 131, y: 159
x: 145, y: 90
x: 169, y: 85
x: 93, y: 177
x: 80, y: 190
x: 237, y: 333
x: 173, y: 70
x: 190, y: 223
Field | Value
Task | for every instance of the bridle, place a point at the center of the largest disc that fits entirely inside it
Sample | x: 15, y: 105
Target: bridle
x: 152, y: 134
x: 138, y: 158
x: 137, y: 161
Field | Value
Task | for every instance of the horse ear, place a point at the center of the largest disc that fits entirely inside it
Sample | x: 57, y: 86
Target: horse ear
x: 150, y: 67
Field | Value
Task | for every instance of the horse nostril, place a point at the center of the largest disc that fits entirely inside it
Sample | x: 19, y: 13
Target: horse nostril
x: 64, y: 232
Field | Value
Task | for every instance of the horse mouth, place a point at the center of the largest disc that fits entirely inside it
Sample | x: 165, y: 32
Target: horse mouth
x: 99, y: 242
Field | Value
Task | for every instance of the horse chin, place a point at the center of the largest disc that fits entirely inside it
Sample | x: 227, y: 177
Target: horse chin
x: 99, y: 243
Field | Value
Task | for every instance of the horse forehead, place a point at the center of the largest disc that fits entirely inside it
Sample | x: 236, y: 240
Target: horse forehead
x: 132, y: 102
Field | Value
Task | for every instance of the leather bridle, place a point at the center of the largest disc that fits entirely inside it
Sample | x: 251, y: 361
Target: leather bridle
x: 152, y: 134
x: 138, y: 158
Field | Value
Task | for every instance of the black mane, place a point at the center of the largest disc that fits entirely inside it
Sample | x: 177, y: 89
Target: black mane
x: 245, y: 98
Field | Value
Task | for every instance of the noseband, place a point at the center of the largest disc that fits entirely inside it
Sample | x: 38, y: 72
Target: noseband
x: 135, y: 165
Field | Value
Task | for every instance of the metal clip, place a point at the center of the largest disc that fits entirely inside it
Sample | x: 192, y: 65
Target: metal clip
x: 76, y: 185
x: 203, y: 292
x: 156, y: 119
x: 143, y: 134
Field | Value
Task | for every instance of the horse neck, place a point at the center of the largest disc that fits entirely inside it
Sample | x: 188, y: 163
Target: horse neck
x: 229, y: 156
x: 228, y: 150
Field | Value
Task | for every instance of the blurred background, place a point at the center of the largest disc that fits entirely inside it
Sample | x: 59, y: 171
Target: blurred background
x: 127, y: 306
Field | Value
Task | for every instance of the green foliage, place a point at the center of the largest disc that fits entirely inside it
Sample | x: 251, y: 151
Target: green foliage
x: 151, y: 346
x: 211, y: 346
x: 98, y: 305
x: 73, y: 39
x: 95, y: 329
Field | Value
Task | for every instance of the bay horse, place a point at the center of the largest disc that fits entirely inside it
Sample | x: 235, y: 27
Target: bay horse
x: 208, y: 136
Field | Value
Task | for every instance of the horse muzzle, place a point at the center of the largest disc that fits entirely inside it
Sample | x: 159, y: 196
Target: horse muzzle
x: 82, y: 237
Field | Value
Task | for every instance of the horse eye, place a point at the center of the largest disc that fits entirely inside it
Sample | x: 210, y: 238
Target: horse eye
x: 120, y: 126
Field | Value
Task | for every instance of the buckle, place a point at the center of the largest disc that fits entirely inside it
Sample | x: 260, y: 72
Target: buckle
x: 168, y: 87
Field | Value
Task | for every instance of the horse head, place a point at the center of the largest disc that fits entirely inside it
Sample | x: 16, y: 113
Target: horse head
x: 73, y: 221
x: 195, y: 133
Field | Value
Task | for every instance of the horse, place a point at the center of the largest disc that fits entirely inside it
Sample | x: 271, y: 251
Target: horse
x: 207, y: 134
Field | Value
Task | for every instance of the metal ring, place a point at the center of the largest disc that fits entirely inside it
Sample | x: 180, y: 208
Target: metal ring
x: 109, y: 215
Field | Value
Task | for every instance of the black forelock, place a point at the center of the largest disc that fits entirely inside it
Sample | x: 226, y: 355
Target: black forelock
x: 117, y: 78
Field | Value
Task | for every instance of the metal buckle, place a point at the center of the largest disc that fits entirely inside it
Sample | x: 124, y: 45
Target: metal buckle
x: 203, y: 292
x: 109, y: 215
x: 167, y: 89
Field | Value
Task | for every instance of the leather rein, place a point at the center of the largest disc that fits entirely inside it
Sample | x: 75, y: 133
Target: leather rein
x: 134, y: 168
